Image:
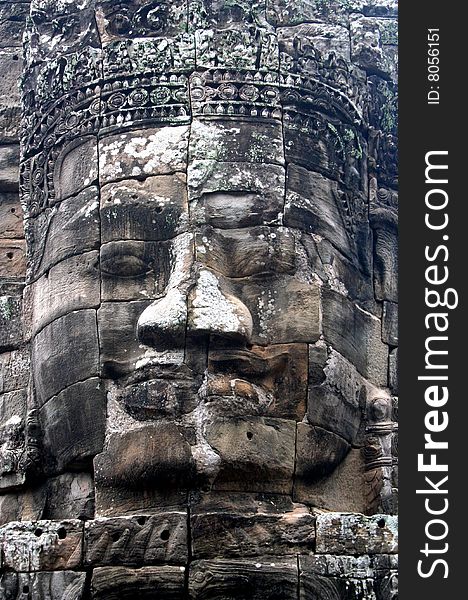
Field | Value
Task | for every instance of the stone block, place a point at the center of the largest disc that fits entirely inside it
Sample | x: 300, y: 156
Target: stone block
x: 11, y: 216
x: 12, y: 439
x: 12, y: 22
x: 317, y: 205
x: 13, y: 258
x: 150, y: 210
x: 260, y: 578
x: 246, y: 141
x: 11, y: 321
x: 337, y: 394
x: 70, y: 229
x: 64, y: 352
x: 76, y: 168
x: 20, y: 505
x: 325, y: 37
x: 10, y: 119
x: 44, y: 586
x: 372, y: 40
x: 119, y: 347
x: 244, y: 448
x: 342, y: 533
x: 356, y: 335
x: 244, y: 252
x: 132, y: 270
x: 223, y: 40
x: 70, y: 496
x: 393, y: 371
x: 331, y: 576
x: 262, y: 381
x: 136, y: 541
x: 338, y: 272
x: 9, y: 168
x: 284, y: 309
x: 390, y: 323
x: 318, y: 453
x: 115, y: 583
x: 71, y: 285
x: 231, y: 195
x: 73, y: 425
x: 155, y: 455
x: 250, y: 526
x: 386, y: 265
x: 14, y: 370
x: 42, y: 545
x: 144, y: 153
x: 344, y: 489
x: 11, y: 64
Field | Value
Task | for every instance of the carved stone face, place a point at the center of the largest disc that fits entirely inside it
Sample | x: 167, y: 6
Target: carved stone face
x: 201, y: 306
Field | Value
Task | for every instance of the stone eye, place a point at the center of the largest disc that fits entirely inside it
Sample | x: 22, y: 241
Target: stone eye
x: 124, y: 259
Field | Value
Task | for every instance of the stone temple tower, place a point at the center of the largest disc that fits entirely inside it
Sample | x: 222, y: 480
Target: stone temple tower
x: 198, y: 318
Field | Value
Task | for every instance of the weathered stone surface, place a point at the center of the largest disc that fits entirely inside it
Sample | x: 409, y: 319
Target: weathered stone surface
x: 226, y: 141
x: 222, y: 37
x: 230, y: 195
x: 12, y: 21
x: 71, y: 228
x: 340, y: 533
x: 246, y: 463
x: 140, y: 154
x: 149, y: 210
x: 42, y: 545
x: 338, y: 272
x: 390, y: 323
x: 9, y: 124
x: 256, y: 579
x: 117, y: 583
x: 319, y: 452
x: 10, y: 67
x: 9, y: 170
x: 64, y: 352
x: 386, y: 265
x: 372, y: 42
x: 12, y: 439
x: 70, y: 496
x: 325, y: 38
x: 11, y: 216
x: 73, y: 423
x: 264, y: 381
x: 284, y: 309
x: 134, y: 270
x: 22, y: 505
x: 13, y: 258
x: 344, y: 489
x: 119, y: 346
x: 155, y: 455
x: 317, y: 205
x: 250, y: 526
x: 76, y: 168
x: 136, y: 541
x: 244, y: 252
x: 11, y: 326
x: 44, y: 585
x: 71, y: 285
x: 356, y: 334
x: 393, y: 371
x: 337, y: 393
x: 14, y: 370
x: 329, y: 576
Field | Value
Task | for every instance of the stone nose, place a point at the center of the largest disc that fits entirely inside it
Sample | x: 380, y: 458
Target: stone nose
x: 202, y: 308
